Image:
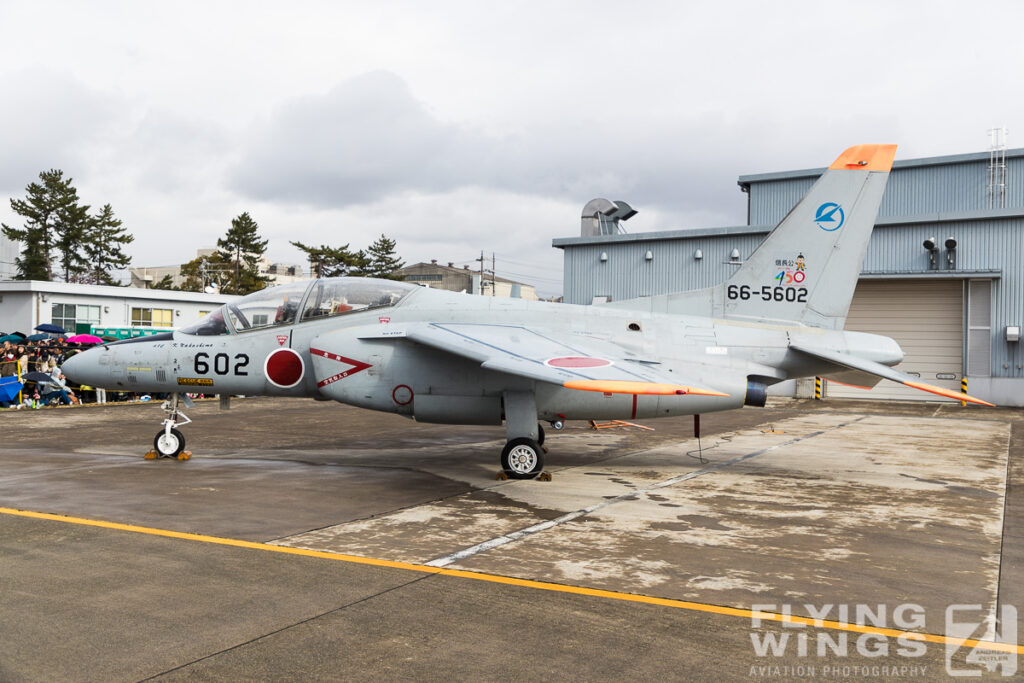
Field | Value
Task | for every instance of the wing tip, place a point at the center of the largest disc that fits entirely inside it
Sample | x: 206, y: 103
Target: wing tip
x: 949, y: 393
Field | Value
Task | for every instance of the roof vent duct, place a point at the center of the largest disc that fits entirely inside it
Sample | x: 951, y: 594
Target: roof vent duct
x: 602, y: 217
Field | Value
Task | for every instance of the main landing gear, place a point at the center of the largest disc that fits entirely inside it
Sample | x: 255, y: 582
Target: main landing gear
x: 169, y: 441
x: 523, y: 454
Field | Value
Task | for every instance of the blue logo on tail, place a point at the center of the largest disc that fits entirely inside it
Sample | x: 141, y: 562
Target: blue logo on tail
x: 829, y: 217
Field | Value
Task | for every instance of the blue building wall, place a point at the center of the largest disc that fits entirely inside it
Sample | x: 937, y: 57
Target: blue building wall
x: 941, y: 197
x: 916, y: 186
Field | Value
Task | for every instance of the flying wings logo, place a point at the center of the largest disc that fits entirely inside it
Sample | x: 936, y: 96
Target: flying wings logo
x: 829, y: 217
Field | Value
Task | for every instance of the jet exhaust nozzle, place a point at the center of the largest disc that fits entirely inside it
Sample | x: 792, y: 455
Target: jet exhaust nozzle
x: 757, y: 394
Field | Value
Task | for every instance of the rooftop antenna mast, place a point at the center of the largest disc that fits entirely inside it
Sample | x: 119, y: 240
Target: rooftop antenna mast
x: 997, y: 168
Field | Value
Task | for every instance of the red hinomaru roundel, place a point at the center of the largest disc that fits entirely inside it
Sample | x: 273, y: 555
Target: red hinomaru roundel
x: 284, y: 368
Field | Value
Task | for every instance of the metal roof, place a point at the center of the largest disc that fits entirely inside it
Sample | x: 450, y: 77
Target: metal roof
x: 745, y: 180
x: 691, y: 233
x: 43, y: 287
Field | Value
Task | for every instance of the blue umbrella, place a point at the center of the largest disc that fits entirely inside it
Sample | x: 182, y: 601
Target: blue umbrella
x: 37, y: 337
x: 9, y: 388
x: 11, y: 338
x: 47, y: 327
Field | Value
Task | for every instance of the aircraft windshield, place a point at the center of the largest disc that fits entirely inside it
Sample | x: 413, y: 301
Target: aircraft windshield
x: 267, y: 307
x: 280, y: 305
x: 338, y: 296
x: 209, y: 325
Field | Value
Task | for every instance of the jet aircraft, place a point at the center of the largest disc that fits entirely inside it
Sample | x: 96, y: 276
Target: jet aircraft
x: 446, y: 357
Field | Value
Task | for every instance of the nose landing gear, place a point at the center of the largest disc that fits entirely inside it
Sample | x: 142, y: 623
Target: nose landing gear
x: 169, y: 441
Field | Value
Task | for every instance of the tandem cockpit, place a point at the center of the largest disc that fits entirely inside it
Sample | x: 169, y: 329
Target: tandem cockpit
x: 301, y: 302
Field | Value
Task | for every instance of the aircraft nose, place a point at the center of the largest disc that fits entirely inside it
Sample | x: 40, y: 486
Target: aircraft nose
x: 83, y: 368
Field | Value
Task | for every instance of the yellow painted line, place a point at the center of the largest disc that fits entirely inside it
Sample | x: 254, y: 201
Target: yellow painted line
x: 527, y: 583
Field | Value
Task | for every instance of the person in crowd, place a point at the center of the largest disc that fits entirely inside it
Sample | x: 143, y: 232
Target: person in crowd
x: 22, y: 354
x: 8, y: 365
x: 58, y: 390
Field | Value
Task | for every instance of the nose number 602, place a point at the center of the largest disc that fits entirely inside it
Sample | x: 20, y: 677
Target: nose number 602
x: 221, y: 364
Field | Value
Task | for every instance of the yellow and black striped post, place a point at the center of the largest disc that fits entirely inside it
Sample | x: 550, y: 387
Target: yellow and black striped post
x: 963, y: 390
x: 817, y: 388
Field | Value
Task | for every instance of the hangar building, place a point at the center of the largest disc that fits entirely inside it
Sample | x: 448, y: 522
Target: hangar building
x: 956, y: 309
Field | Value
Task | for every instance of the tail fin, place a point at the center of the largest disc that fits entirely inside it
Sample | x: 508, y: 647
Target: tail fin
x: 806, y: 269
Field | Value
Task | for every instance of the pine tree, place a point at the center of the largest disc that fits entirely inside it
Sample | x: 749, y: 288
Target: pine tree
x: 203, y: 271
x: 383, y: 261
x: 325, y: 261
x: 73, y: 224
x: 54, y: 220
x: 243, y: 247
x: 102, y: 245
x: 166, y: 282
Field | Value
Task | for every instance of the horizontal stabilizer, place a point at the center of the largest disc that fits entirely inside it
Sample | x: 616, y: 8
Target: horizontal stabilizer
x: 884, y: 371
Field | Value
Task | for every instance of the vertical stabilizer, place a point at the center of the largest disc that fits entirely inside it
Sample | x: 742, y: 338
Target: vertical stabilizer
x: 806, y: 269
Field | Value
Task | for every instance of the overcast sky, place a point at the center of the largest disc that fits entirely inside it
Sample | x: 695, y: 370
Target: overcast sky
x: 455, y: 127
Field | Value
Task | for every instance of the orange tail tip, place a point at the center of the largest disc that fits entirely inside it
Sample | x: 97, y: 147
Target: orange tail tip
x: 948, y: 393
x: 866, y: 158
x: 641, y: 388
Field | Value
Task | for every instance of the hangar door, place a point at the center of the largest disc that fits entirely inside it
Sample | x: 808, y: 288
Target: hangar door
x: 925, y: 317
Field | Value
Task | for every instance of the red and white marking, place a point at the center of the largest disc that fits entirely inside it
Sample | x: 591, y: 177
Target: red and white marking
x: 284, y: 368
x: 356, y: 366
x: 577, y: 362
x: 282, y: 339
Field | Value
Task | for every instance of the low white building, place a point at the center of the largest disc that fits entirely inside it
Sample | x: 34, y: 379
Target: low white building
x: 24, y: 304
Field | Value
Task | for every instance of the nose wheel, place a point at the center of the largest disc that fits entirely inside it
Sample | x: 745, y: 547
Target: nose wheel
x: 169, y: 442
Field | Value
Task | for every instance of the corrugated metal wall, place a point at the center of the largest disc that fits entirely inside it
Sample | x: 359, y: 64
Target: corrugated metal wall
x: 627, y: 274
x: 983, y: 245
x: 912, y: 190
x: 918, y: 188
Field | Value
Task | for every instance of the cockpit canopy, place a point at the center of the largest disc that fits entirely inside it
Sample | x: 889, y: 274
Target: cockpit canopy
x: 300, y: 302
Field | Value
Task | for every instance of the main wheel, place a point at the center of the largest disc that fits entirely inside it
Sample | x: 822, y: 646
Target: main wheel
x: 169, y: 445
x: 540, y: 434
x: 522, y: 458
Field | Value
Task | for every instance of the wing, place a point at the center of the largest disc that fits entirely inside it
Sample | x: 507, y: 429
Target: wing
x: 845, y: 360
x: 572, y: 361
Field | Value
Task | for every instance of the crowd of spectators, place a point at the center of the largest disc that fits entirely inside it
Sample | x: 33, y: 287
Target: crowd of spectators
x: 23, y: 359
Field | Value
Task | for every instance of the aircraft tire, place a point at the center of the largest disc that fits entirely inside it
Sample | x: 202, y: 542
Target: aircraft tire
x: 169, y: 446
x: 540, y: 434
x: 522, y: 458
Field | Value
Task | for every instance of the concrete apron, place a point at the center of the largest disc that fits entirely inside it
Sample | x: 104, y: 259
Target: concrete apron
x: 834, y: 510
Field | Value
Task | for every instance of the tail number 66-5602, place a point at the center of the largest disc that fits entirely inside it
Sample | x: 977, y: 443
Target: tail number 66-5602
x: 767, y: 293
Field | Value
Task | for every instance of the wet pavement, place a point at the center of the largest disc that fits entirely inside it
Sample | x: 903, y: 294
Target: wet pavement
x: 814, y: 508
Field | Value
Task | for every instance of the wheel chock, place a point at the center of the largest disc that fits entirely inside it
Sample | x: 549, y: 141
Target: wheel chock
x: 501, y: 476
x: 544, y: 476
x: 545, y: 449
x: 152, y: 455
x: 185, y: 455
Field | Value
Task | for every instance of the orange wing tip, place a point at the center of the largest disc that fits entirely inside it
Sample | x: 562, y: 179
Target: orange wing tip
x: 948, y: 393
x: 866, y: 158
x: 641, y: 388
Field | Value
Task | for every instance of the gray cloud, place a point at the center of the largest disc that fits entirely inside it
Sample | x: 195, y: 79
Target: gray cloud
x: 50, y: 120
x: 365, y: 139
x: 369, y: 138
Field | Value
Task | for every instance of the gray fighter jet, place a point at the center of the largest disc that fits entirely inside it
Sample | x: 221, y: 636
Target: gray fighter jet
x: 451, y: 358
